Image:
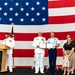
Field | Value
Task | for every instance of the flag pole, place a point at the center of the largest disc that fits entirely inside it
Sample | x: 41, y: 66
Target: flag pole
x: 12, y: 36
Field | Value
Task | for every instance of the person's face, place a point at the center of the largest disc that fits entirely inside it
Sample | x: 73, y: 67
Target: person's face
x: 68, y: 36
x: 69, y: 40
x: 52, y: 34
x: 39, y: 33
x: 6, y: 35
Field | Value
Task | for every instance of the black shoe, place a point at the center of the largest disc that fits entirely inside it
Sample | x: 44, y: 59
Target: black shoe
x: 53, y: 73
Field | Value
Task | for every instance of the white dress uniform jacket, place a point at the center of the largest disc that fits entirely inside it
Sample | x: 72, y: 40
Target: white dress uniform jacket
x: 37, y: 42
x: 10, y: 43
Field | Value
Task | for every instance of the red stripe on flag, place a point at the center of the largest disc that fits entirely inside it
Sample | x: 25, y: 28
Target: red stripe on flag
x: 45, y: 66
x: 61, y: 19
x: 61, y: 3
x: 30, y: 53
x: 60, y: 35
x: 31, y: 36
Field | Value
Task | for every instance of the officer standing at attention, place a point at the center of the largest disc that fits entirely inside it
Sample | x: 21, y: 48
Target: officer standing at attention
x: 53, y: 52
x: 39, y: 53
x: 10, y: 43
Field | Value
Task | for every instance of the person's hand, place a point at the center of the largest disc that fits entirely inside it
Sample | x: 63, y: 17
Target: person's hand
x: 68, y: 56
x: 65, y: 53
x: 37, y: 46
x: 49, y: 48
x: 42, y: 39
x: 53, y: 47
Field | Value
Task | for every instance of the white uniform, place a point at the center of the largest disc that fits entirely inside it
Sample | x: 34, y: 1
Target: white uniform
x: 39, y: 54
x: 11, y: 43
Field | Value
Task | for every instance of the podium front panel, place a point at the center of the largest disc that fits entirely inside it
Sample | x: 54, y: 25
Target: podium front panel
x: 0, y: 59
x: 3, y: 50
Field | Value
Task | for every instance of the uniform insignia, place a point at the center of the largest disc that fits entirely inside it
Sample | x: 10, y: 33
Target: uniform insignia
x: 37, y: 39
x: 42, y: 39
x: 10, y: 41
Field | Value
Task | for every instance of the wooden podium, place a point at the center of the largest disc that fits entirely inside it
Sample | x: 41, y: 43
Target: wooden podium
x: 3, y: 50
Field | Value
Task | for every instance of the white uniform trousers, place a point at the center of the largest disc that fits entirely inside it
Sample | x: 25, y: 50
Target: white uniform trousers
x: 9, y: 62
x: 39, y: 58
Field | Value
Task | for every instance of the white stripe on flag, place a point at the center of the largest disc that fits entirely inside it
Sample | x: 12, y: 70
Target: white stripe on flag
x: 29, y: 61
x: 61, y: 11
x: 28, y: 44
x: 43, y: 28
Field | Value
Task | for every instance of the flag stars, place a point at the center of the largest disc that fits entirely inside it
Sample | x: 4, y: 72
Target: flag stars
x: 32, y: 19
x: 16, y: 14
x: 38, y: 3
x: 22, y: 9
x: 11, y: 9
x: 5, y: 3
x: 10, y: 19
x: 38, y: 14
x: 27, y: 3
x: 16, y: 3
x: 43, y: 8
x: 21, y: 19
x: 32, y: 8
x: 5, y: 14
x: 43, y: 19
x: 0, y: 8
x: 27, y: 14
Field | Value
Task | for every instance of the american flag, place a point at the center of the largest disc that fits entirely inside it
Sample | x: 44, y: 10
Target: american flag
x: 31, y: 16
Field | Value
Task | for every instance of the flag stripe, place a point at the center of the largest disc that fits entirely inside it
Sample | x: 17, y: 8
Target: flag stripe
x: 67, y: 27
x: 61, y: 11
x: 45, y: 66
x: 61, y: 19
x: 28, y: 44
x: 29, y: 61
x: 30, y: 36
x: 61, y: 3
x: 25, y: 52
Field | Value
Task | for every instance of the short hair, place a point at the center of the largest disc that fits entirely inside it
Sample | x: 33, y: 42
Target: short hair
x: 51, y: 32
x: 7, y: 33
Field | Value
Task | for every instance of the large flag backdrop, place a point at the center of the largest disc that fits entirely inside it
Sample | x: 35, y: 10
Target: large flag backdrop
x: 31, y: 16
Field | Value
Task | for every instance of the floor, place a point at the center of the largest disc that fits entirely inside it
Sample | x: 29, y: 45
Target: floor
x: 24, y: 71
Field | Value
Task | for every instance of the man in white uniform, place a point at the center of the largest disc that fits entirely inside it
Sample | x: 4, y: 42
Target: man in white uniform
x: 10, y: 43
x: 39, y: 53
